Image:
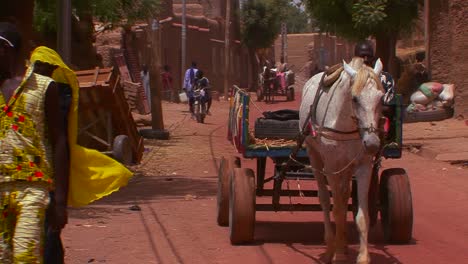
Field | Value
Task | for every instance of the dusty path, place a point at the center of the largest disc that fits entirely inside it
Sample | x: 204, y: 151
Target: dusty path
x: 175, y: 190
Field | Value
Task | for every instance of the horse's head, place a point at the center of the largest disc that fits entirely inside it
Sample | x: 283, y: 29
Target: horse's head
x: 367, y: 92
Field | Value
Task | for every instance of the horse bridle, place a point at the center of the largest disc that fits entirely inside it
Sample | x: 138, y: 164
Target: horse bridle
x: 328, y: 132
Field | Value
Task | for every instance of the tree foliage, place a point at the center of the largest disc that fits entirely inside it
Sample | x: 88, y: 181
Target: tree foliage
x: 261, y: 22
x: 296, y: 19
x: 112, y: 11
x: 358, y: 19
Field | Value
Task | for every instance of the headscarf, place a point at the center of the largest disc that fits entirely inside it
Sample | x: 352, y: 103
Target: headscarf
x: 93, y: 175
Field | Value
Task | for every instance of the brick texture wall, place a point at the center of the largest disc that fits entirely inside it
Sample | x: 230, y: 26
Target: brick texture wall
x: 448, y: 50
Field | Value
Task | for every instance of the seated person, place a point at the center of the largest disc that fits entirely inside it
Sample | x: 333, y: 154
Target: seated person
x: 365, y: 50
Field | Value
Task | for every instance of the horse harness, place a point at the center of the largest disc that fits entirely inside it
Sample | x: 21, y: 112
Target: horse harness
x: 311, y: 128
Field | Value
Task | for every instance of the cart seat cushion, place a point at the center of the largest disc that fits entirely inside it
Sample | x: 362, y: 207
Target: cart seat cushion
x: 282, y: 115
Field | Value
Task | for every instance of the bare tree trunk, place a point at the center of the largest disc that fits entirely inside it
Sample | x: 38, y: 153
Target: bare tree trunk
x: 255, y: 67
x: 386, y: 51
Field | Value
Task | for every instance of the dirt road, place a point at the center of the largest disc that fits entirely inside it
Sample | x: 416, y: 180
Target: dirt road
x: 167, y: 212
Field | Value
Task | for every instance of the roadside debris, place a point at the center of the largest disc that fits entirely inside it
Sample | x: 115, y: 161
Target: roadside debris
x: 135, y: 208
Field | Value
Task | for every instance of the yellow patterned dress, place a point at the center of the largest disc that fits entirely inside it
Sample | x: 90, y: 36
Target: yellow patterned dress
x: 26, y: 174
x: 26, y: 171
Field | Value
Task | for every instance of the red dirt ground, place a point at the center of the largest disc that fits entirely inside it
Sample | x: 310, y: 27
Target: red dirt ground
x: 175, y: 188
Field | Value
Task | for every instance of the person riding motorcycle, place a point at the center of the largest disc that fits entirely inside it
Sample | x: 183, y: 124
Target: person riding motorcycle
x: 201, y: 82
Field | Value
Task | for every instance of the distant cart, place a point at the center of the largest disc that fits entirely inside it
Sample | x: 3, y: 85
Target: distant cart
x: 389, y: 191
x: 105, y: 122
x: 272, y: 83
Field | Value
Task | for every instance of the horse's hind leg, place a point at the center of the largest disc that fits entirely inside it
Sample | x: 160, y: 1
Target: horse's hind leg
x: 363, y: 175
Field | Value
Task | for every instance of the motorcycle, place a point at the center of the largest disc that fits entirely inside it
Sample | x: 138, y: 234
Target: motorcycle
x: 200, y: 104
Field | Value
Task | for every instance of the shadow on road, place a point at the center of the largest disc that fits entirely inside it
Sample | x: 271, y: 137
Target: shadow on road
x: 144, y: 189
x: 312, y: 233
x: 306, y: 233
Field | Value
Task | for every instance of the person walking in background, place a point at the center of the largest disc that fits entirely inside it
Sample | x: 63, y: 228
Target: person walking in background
x: 189, y: 82
x: 168, y: 89
x: 145, y: 79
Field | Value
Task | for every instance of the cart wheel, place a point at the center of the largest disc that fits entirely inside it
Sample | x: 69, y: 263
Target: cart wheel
x: 197, y: 112
x: 372, y: 198
x: 226, y: 169
x: 242, y: 206
x: 396, y: 205
x: 121, y: 149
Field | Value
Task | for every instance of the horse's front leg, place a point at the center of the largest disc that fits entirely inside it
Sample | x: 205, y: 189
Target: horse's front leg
x: 324, y: 198
x: 341, y: 191
x: 363, y: 177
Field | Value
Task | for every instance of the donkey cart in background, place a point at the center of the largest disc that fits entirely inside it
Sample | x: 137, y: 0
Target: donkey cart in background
x: 273, y: 83
x: 105, y: 122
x: 238, y: 187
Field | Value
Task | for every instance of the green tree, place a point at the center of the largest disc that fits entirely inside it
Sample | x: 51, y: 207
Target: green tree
x: 118, y: 12
x: 260, y: 26
x: 386, y: 20
x: 39, y: 16
x: 261, y: 20
x: 113, y: 12
x: 296, y: 19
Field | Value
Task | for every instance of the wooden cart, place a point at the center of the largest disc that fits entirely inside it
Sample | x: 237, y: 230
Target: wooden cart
x: 105, y: 122
x: 238, y: 187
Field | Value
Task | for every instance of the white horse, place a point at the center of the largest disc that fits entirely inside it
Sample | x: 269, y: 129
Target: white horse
x: 343, y: 141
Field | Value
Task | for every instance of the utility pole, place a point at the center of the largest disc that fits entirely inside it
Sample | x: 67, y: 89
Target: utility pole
x: 156, y: 106
x: 227, y: 25
x: 157, y: 124
x: 64, y: 30
x: 284, y: 42
x: 184, y: 40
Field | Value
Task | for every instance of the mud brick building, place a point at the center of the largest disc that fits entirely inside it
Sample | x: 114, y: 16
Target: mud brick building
x: 320, y: 49
x: 205, y: 41
x: 448, y: 47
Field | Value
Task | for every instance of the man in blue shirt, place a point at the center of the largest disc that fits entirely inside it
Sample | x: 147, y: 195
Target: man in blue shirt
x: 189, y: 83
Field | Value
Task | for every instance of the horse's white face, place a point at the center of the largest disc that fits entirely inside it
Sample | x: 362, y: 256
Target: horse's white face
x: 367, y: 107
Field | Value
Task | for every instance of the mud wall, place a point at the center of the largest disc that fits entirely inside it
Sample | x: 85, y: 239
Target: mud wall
x: 205, y: 43
x: 448, y: 48
x: 313, y: 51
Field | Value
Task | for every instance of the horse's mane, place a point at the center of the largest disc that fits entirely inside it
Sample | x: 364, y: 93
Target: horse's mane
x: 364, y: 72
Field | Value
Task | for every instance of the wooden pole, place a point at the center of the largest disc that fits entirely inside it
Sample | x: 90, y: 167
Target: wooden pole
x: 64, y: 30
x: 427, y: 40
x: 157, y: 124
x: 156, y: 105
x: 284, y: 43
x: 227, y: 48
x: 184, y: 41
